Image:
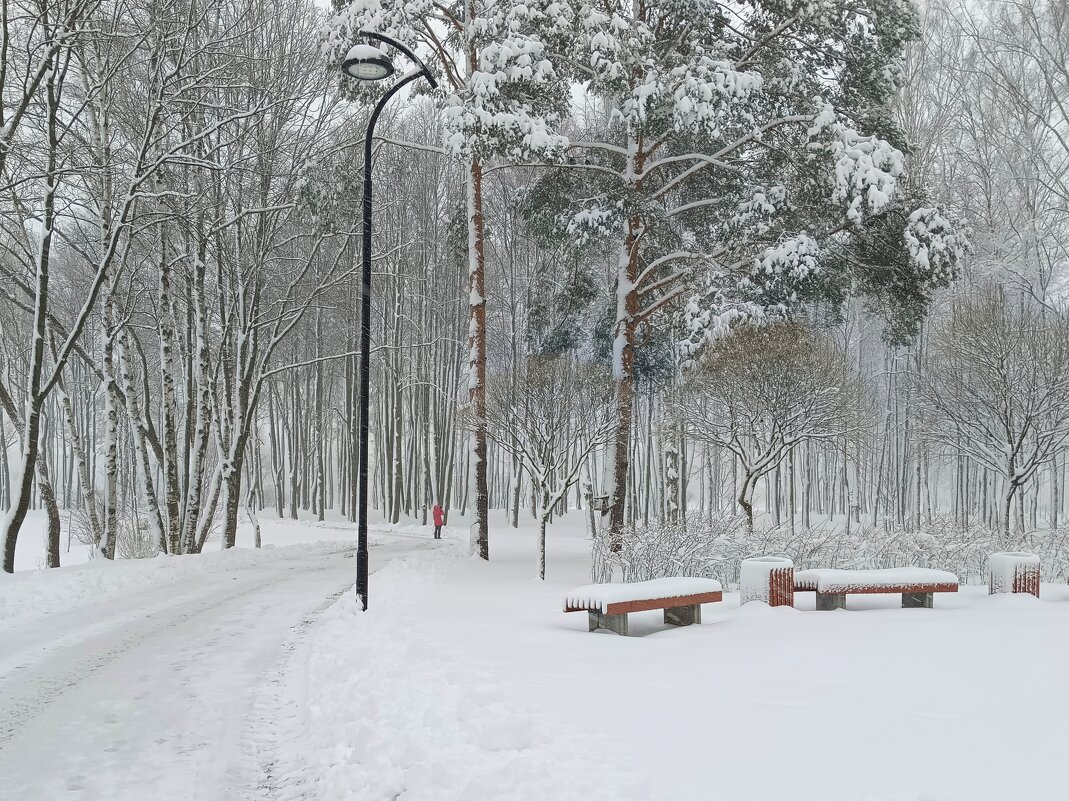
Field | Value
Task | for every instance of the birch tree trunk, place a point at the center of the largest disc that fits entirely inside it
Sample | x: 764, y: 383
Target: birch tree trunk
x: 11, y: 523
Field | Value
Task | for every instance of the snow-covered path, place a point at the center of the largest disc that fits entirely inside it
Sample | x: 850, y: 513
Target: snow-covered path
x: 150, y: 694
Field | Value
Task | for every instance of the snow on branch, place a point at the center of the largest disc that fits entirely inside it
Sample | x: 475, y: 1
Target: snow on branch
x: 794, y: 258
x: 934, y: 244
x: 865, y: 169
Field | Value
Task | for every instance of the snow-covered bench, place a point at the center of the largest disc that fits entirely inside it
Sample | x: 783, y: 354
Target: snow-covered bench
x: 608, y: 605
x: 916, y: 585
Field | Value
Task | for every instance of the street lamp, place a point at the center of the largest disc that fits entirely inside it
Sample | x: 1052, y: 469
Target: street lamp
x: 365, y: 62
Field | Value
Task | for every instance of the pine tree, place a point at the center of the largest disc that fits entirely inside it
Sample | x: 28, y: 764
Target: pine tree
x: 748, y: 153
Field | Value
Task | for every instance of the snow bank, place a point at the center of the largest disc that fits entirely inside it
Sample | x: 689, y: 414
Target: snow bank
x: 388, y: 709
x: 836, y: 580
x: 599, y: 596
x: 34, y: 594
x: 1011, y: 570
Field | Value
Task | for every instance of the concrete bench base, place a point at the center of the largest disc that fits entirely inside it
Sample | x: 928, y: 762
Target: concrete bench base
x: 673, y: 616
x: 826, y: 601
x: 683, y: 615
x: 917, y: 600
x: 616, y: 623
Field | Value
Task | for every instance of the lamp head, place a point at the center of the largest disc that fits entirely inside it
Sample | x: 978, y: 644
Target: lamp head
x: 367, y: 63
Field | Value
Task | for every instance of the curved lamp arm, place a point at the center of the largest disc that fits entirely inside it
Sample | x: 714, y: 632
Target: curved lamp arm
x: 426, y: 73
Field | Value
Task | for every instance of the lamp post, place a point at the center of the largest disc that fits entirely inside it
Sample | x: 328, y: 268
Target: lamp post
x: 365, y: 62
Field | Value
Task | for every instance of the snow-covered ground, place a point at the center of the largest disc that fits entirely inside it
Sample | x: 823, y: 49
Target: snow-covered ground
x: 384, y: 706
x: 963, y: 702
x: 242, y: 677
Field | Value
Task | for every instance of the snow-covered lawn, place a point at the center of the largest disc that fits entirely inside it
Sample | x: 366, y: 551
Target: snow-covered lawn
x: 465, y: 668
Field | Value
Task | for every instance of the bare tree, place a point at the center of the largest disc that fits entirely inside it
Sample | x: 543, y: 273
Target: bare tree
x: 997, y: 387
x: 558, y: 418
x: 1018, y: 68
x: 762, y: 392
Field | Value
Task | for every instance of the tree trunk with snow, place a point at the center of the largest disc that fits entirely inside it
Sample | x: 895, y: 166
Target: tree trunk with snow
x: 627, y: 309
x: 11, y: 523
x: 142, y: 464
x: 477, y: 354
x: 543, y: 518
x: 48, y: 499
x: 85, y: 481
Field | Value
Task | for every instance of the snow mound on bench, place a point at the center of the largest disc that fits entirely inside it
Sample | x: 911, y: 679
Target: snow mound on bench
x: 599, y: 596
x: 834, y: 580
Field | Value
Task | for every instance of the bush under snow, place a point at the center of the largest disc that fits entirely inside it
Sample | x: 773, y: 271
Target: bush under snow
x: 715, y: 548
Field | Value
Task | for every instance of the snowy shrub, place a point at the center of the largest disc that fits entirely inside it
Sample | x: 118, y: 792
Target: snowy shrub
x: 79, y: 528
x: 664, y: 550
x: 715, y: 549
x: 134, y: 536
x: 136, y: 540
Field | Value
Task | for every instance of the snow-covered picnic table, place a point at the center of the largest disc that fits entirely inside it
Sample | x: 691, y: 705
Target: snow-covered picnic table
x: 916, y: 585
x: 608, y: 605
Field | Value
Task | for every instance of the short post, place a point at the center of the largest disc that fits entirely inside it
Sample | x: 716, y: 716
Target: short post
x: 617, y: 623
x: 1014, y: 572
x: 683, y: 615
x: 917, y: 600
x: 769, y: 579
x: 827, y: 601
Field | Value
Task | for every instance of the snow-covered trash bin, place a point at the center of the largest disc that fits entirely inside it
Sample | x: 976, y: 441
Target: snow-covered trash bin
x: 767, y: 578
x: 1014, y: 572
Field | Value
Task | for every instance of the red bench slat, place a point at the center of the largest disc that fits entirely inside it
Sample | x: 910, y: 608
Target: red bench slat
x: 644, y: 605
x: 867, y: 590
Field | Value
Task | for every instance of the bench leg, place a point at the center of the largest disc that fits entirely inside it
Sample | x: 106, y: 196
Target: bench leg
x: 828, y: 601
x: 683, y: 615
x: 617, y: 623
x: 917, y: 600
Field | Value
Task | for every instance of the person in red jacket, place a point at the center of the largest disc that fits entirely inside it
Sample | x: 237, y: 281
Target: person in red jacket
x: 439, y: 521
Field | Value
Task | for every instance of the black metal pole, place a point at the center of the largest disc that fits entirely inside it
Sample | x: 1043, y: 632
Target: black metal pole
x: 365, y: 326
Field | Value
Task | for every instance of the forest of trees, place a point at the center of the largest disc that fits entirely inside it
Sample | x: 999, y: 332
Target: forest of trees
x: 802, y: 265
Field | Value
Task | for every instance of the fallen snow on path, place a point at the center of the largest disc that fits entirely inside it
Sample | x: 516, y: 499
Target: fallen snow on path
x: 143, y: 694
x: 34, y: 593
x: 140, y: 679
